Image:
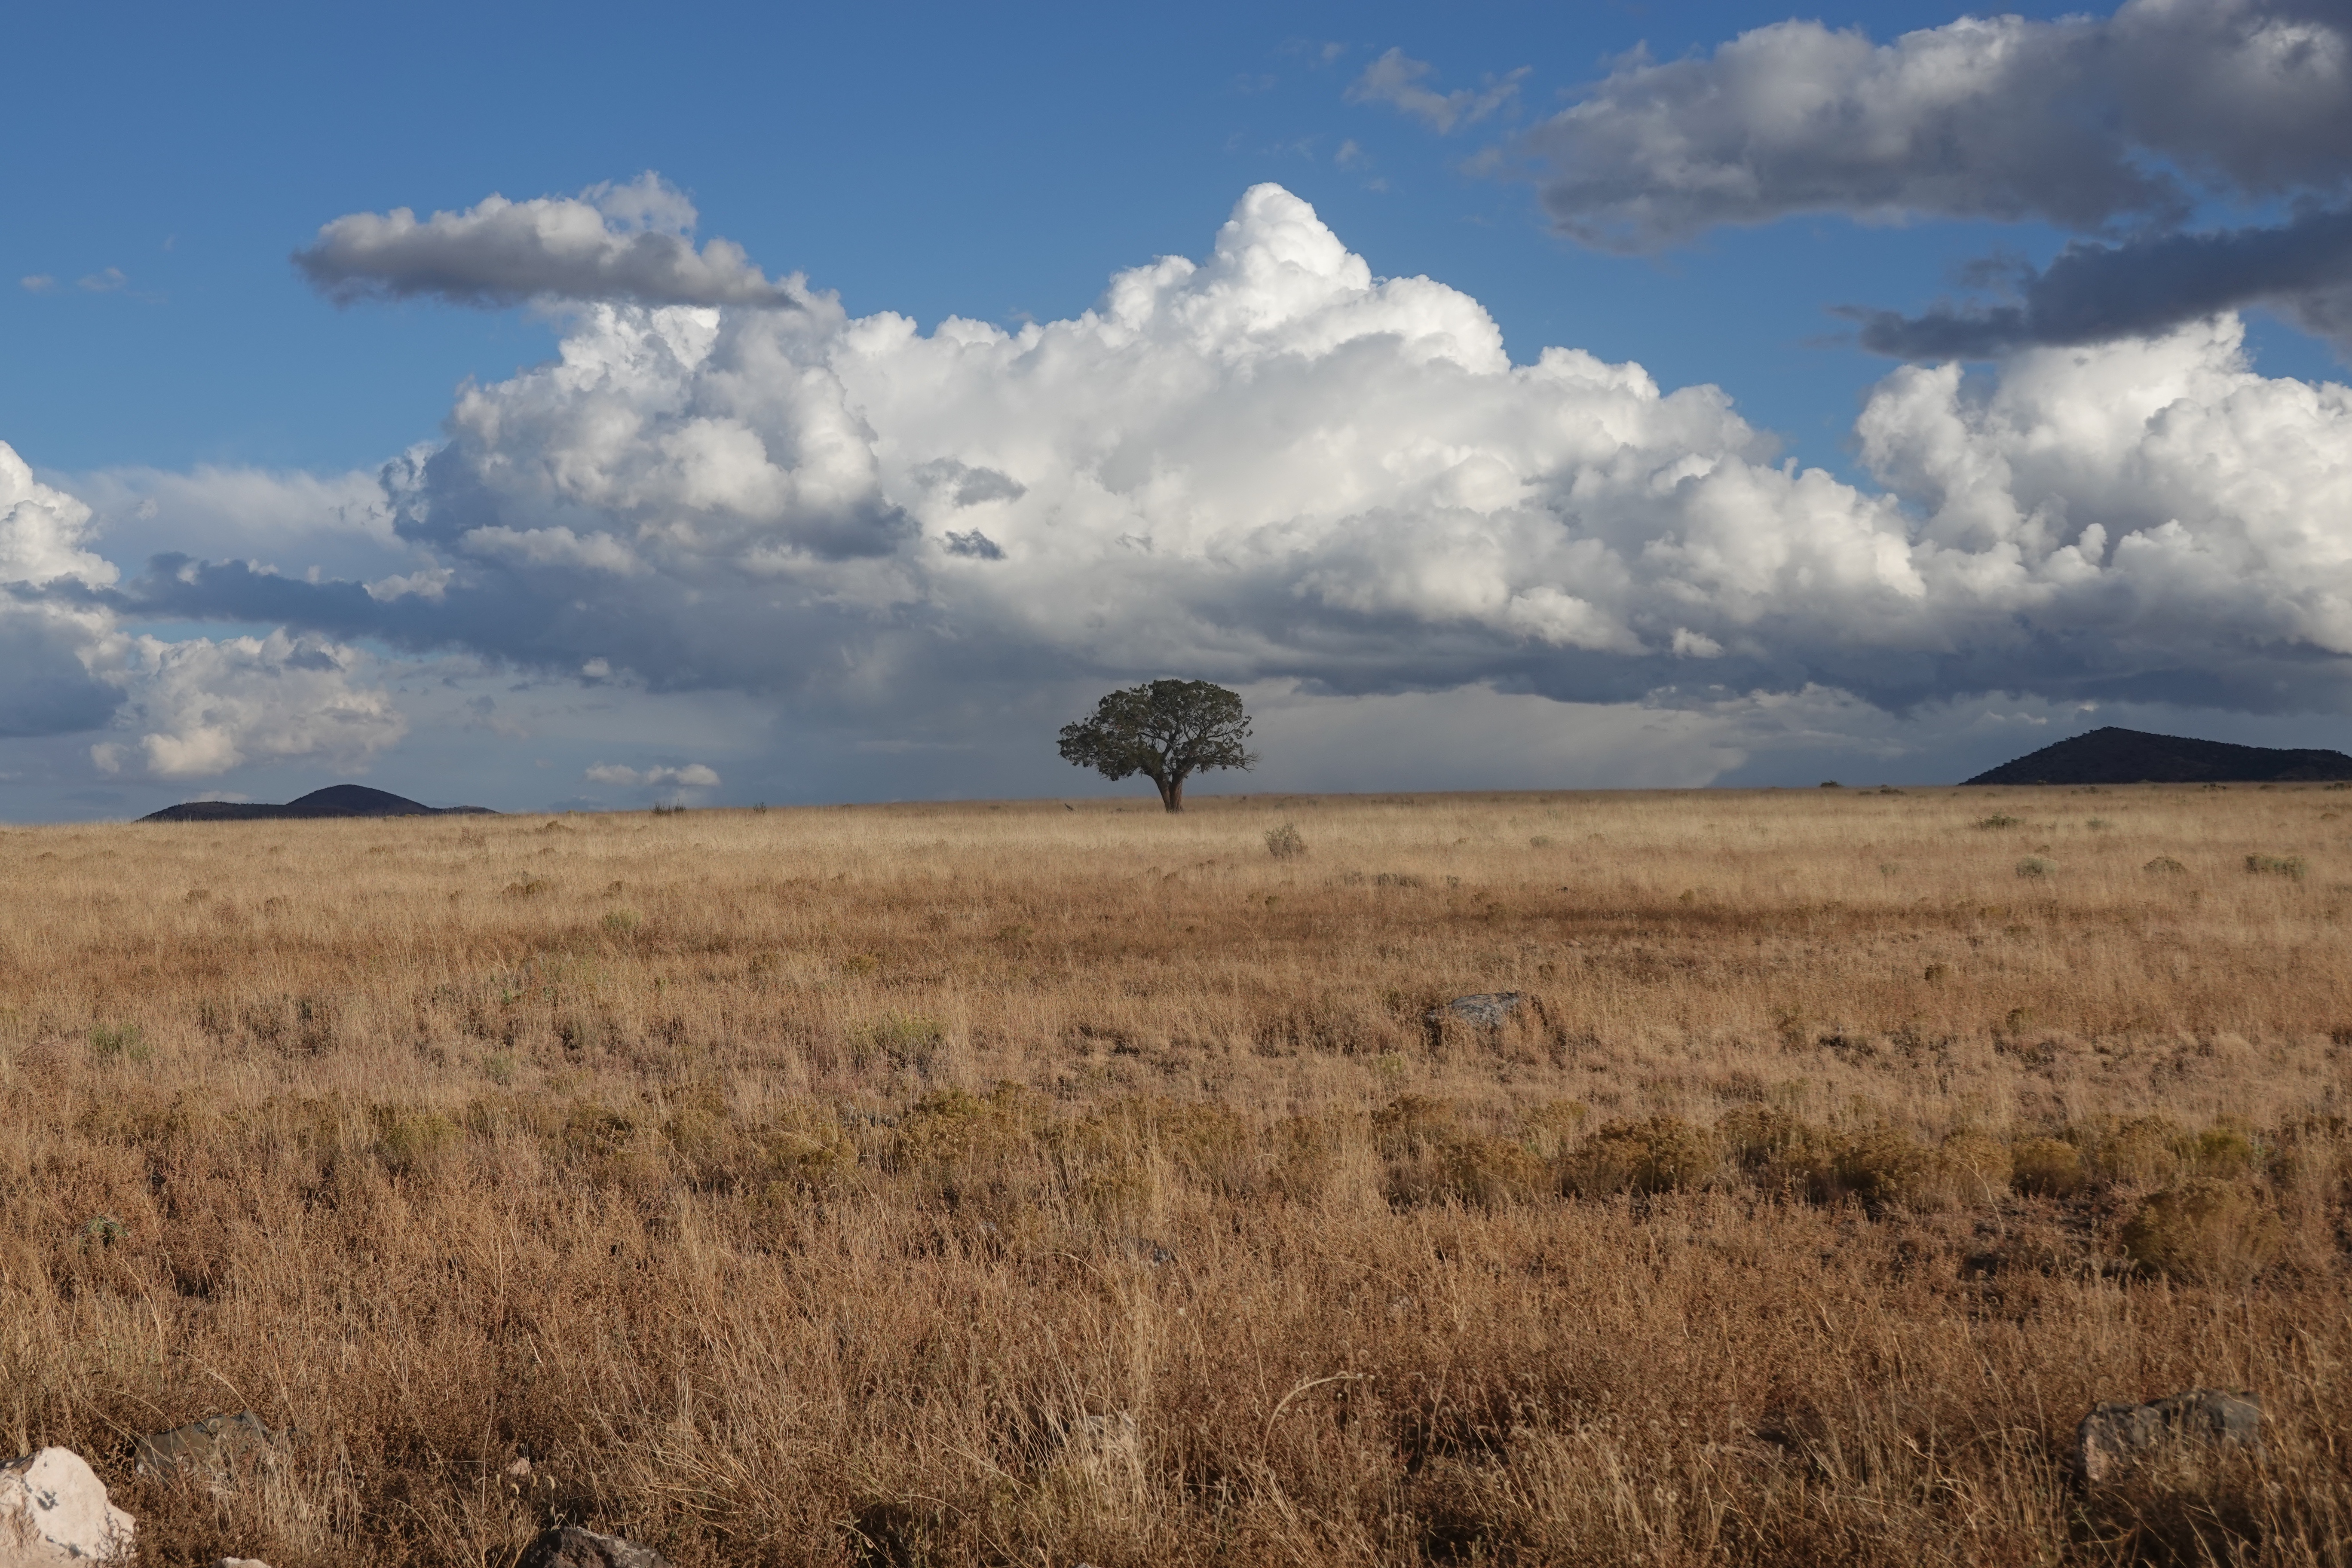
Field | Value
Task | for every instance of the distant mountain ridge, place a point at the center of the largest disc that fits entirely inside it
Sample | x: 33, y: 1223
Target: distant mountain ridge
x: 335, y: 799
x: 2115, y: 756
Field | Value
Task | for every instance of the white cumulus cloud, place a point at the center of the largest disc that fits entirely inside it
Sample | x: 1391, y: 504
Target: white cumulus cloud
x: 50, y: 632
x: 1274, y: 464
x: 1273, y: 467
x: 627, y: 242
x: 200, y: 707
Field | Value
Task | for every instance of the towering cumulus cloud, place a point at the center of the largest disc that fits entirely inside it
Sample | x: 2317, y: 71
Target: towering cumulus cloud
x: 1274, y: 465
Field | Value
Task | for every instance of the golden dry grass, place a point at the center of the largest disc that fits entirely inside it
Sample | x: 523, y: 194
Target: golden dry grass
x: 1020, y: 1184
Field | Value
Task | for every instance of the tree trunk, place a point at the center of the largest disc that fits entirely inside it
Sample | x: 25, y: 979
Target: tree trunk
x: 1171, y: 793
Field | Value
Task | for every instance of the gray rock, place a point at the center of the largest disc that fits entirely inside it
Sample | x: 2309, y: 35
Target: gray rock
x: 240, y: 1563
x: 1487, y: 1009
x: 569, y: 1546
x: 53, y: 1513
x: 208, y: 1449
x: 2114, y: 1436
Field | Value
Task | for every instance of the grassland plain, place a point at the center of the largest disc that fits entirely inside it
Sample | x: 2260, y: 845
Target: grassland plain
x: 1021, y: 1184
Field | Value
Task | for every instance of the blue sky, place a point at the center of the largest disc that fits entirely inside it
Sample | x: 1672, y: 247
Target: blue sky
x: 172, y: 371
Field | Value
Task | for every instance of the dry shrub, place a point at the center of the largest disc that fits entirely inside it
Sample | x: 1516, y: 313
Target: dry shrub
x: 2047, y: 1167
x: 1886, y: 1164
x: 956, y: 1128
x: 1975, y: 1168
x: 1779, y: 1152
x: 413, y: 1142
x: 2223, y: 1151
x: 2205, y: 1231
x: 2142, y: 1153
x: 1662, y: 1155
x: 904, y: 1042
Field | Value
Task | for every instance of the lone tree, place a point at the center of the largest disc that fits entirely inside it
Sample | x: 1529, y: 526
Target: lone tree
x: 1164, y: 730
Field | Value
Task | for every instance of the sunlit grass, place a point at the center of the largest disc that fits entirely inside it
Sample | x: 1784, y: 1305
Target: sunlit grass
x: 1015, y: 1183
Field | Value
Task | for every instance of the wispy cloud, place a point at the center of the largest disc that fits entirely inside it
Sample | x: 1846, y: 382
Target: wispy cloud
x: 1396, y: 79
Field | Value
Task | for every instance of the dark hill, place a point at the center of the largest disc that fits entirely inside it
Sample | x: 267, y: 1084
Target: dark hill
x: 2113, y: 756
x: 335, y: 799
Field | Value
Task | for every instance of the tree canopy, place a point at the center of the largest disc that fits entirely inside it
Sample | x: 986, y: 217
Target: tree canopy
x: 1164, y: 730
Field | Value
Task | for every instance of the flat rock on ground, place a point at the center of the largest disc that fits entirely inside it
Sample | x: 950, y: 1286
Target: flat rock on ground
x: 53, y: 1513
x: 208, y: 1449
x: 2114, y: 1436
x: 569, y: 1546
x: 1487, y: 1009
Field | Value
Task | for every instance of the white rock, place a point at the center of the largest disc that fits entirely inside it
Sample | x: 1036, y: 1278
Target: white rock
x: 240, y: 1563
x: 53, y: 1513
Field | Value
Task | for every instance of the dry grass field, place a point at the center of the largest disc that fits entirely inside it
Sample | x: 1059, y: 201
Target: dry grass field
x: 1027, y: 1185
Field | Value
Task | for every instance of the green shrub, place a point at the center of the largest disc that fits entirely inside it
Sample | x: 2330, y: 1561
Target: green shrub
x: 2036, y: 866
x: 2204, y: 1231
x: 2165, y: 866
x: 2290, y: 867
x: 2001, y: 819
x: 1284, y: 842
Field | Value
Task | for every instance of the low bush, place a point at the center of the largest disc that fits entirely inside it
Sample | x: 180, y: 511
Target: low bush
x: 1662, y: 1154
x: 2143, y: 1153
x: 904, y: 1042
x: 2045, y: 1167
x: 2204, y: 1231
